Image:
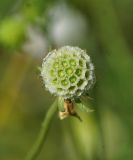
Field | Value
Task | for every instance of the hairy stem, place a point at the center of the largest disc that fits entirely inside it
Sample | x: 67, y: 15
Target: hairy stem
x: 43, y: 133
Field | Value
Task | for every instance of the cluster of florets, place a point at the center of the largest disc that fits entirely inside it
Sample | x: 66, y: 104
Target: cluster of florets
x: 67, y: 72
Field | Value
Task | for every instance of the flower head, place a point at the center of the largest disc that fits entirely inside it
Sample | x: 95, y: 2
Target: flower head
x: 67, y: 72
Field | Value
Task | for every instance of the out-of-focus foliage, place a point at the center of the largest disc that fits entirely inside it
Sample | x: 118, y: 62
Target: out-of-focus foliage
x: 28, y: 30
x: 12, y: 31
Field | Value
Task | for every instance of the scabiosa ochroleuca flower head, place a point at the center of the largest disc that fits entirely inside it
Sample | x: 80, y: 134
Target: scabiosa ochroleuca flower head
x: 67, y: 72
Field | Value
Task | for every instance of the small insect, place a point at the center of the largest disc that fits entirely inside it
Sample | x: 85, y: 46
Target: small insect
x: 68, y: 110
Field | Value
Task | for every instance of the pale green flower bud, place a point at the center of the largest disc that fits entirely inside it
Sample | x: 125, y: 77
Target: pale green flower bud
x: 67, y: 72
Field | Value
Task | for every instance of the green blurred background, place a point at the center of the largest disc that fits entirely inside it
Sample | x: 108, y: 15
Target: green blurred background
x: 28, y: 30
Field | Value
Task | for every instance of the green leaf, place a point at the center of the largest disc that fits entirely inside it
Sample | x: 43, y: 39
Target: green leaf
x: 84, y: 108
x: 84, y: 104
x: 86, y: 100
x: 87, y: 96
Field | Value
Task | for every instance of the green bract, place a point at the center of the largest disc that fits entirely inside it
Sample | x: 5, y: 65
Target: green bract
x: 67, y: 72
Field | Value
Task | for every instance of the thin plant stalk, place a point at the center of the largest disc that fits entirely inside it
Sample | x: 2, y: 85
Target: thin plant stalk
x: 36, y: 149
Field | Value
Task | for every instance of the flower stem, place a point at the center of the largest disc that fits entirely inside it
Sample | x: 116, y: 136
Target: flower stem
x: 43, y: 133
